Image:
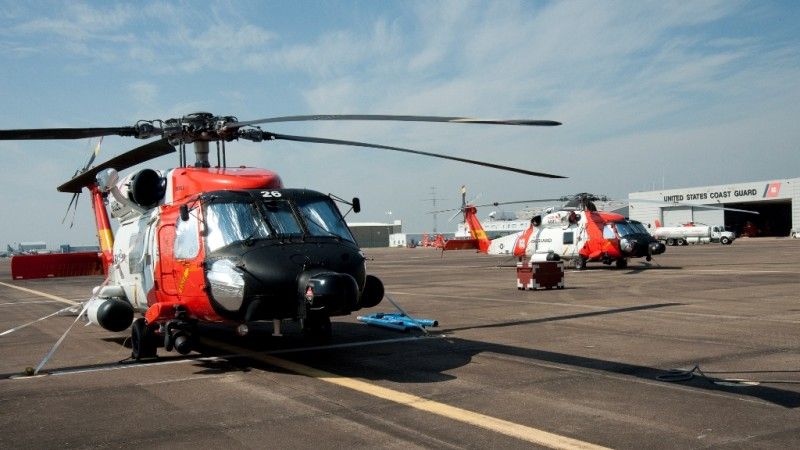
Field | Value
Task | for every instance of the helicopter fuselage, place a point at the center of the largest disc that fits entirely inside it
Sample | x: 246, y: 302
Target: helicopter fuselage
x: 250, y: 251
x: 581, y: 235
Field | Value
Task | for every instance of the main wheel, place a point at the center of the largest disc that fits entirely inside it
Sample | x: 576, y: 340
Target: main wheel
x: 317, y: 327
x: 144, y: 343
x: 670, y: 242
x: 622, y: 263
x: 580, y: 263
x: 680, y: 241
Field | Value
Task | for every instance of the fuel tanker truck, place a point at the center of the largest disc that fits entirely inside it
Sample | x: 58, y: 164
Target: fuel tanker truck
x: 692, y: 233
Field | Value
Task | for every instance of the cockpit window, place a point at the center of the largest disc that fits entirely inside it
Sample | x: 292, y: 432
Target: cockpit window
x: 323, y: 219
x: 279, y: 214
x: 227, y: 223
x: 630, y: 227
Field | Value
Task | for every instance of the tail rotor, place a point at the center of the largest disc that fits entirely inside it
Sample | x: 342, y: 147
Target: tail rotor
x: 73, y: 203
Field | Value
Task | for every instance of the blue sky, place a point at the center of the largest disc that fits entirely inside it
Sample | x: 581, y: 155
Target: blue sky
x: 679, y: 93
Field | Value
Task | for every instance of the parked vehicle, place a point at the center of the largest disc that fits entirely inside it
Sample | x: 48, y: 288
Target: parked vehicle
x: 692, y: 233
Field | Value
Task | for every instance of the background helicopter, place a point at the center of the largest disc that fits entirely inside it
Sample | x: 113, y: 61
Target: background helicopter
x: 577, y: 232
x: 202, y: 244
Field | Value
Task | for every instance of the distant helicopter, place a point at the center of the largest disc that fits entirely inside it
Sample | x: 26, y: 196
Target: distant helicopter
x: 577, y: 232
x: 201, y: 244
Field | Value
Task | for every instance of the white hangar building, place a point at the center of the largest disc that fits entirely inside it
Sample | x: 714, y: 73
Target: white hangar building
x: 776, y: 201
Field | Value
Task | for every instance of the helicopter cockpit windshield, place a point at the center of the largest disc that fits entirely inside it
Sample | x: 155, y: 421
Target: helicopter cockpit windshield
x: 323, y: 219
x: 247, y: 219
x: 231, y: 222
x: 629, y: 227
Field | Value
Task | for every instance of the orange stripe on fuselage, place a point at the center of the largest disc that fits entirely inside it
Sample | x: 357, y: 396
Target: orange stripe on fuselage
x: 522, y: 242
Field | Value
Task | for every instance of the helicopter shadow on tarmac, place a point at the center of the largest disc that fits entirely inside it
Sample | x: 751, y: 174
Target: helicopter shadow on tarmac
x: 646, y: 266
x: 365, y: 352
x: 431, y: 358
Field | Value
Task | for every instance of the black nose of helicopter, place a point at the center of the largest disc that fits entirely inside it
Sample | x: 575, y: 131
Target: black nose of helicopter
x: 657, y: 248
x: 269, y: 280
x: 641, y: 247
x: 332, y: 292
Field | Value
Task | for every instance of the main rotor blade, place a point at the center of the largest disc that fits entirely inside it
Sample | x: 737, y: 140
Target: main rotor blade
x: 540, y: 200
x: 446, y: 210
x: 64, y: 133
x: 128, y: 159
x: 287, y: 137
x: 639, y: 200
x: 395, y: 118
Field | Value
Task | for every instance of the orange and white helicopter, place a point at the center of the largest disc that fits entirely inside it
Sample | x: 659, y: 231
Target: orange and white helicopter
x: 438, y: 241
x: 214, y: 244
x: 577, y: 232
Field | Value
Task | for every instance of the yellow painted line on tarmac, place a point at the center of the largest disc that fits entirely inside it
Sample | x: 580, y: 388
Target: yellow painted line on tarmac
x: 40, y: 293
x: 515, y: 430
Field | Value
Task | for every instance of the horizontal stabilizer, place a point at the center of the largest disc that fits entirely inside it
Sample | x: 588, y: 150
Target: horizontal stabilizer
x: 461, y: 244
x: 24, y: 267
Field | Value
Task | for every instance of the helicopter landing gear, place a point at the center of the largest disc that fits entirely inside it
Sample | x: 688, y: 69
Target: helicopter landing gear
x: 144, y: 342
x: 178, y: 336
x: 622, y: 263
x: 317, y: 327
x: 580, y: 263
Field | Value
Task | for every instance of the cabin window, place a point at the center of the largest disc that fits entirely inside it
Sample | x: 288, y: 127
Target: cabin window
x: 568, y: 238
x: 136, y: 253
x: 187, y: 244
x: 608, y: 232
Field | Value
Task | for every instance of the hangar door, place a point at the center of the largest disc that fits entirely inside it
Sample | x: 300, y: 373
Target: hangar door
x: 710, y: 217
x: 673, y: 216
x: 774, y: 218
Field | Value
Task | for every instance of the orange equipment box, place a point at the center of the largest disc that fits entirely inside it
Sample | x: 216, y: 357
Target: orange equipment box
x: 540, y: 275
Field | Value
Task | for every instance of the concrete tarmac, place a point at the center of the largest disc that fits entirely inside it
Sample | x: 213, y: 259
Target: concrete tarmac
x: 573, y: 368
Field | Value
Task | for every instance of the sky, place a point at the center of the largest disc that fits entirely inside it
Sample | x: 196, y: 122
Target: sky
x: 651, y: 94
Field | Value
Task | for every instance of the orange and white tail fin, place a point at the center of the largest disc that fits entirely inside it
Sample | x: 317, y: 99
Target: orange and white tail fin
x: 476, y: 229
x: 658, y: 223
x: 105, y: 235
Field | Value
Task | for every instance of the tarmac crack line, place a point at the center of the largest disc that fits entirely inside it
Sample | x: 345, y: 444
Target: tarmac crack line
x: 624, y: 378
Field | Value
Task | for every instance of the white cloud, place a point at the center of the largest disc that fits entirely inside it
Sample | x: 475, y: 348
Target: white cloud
x: 144, y: 93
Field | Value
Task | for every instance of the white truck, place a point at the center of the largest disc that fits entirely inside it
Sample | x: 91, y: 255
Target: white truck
x: 693, y: 234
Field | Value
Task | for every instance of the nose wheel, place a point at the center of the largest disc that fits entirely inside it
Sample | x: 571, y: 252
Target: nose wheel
x: 317, y: 327
x: 144, y: 342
